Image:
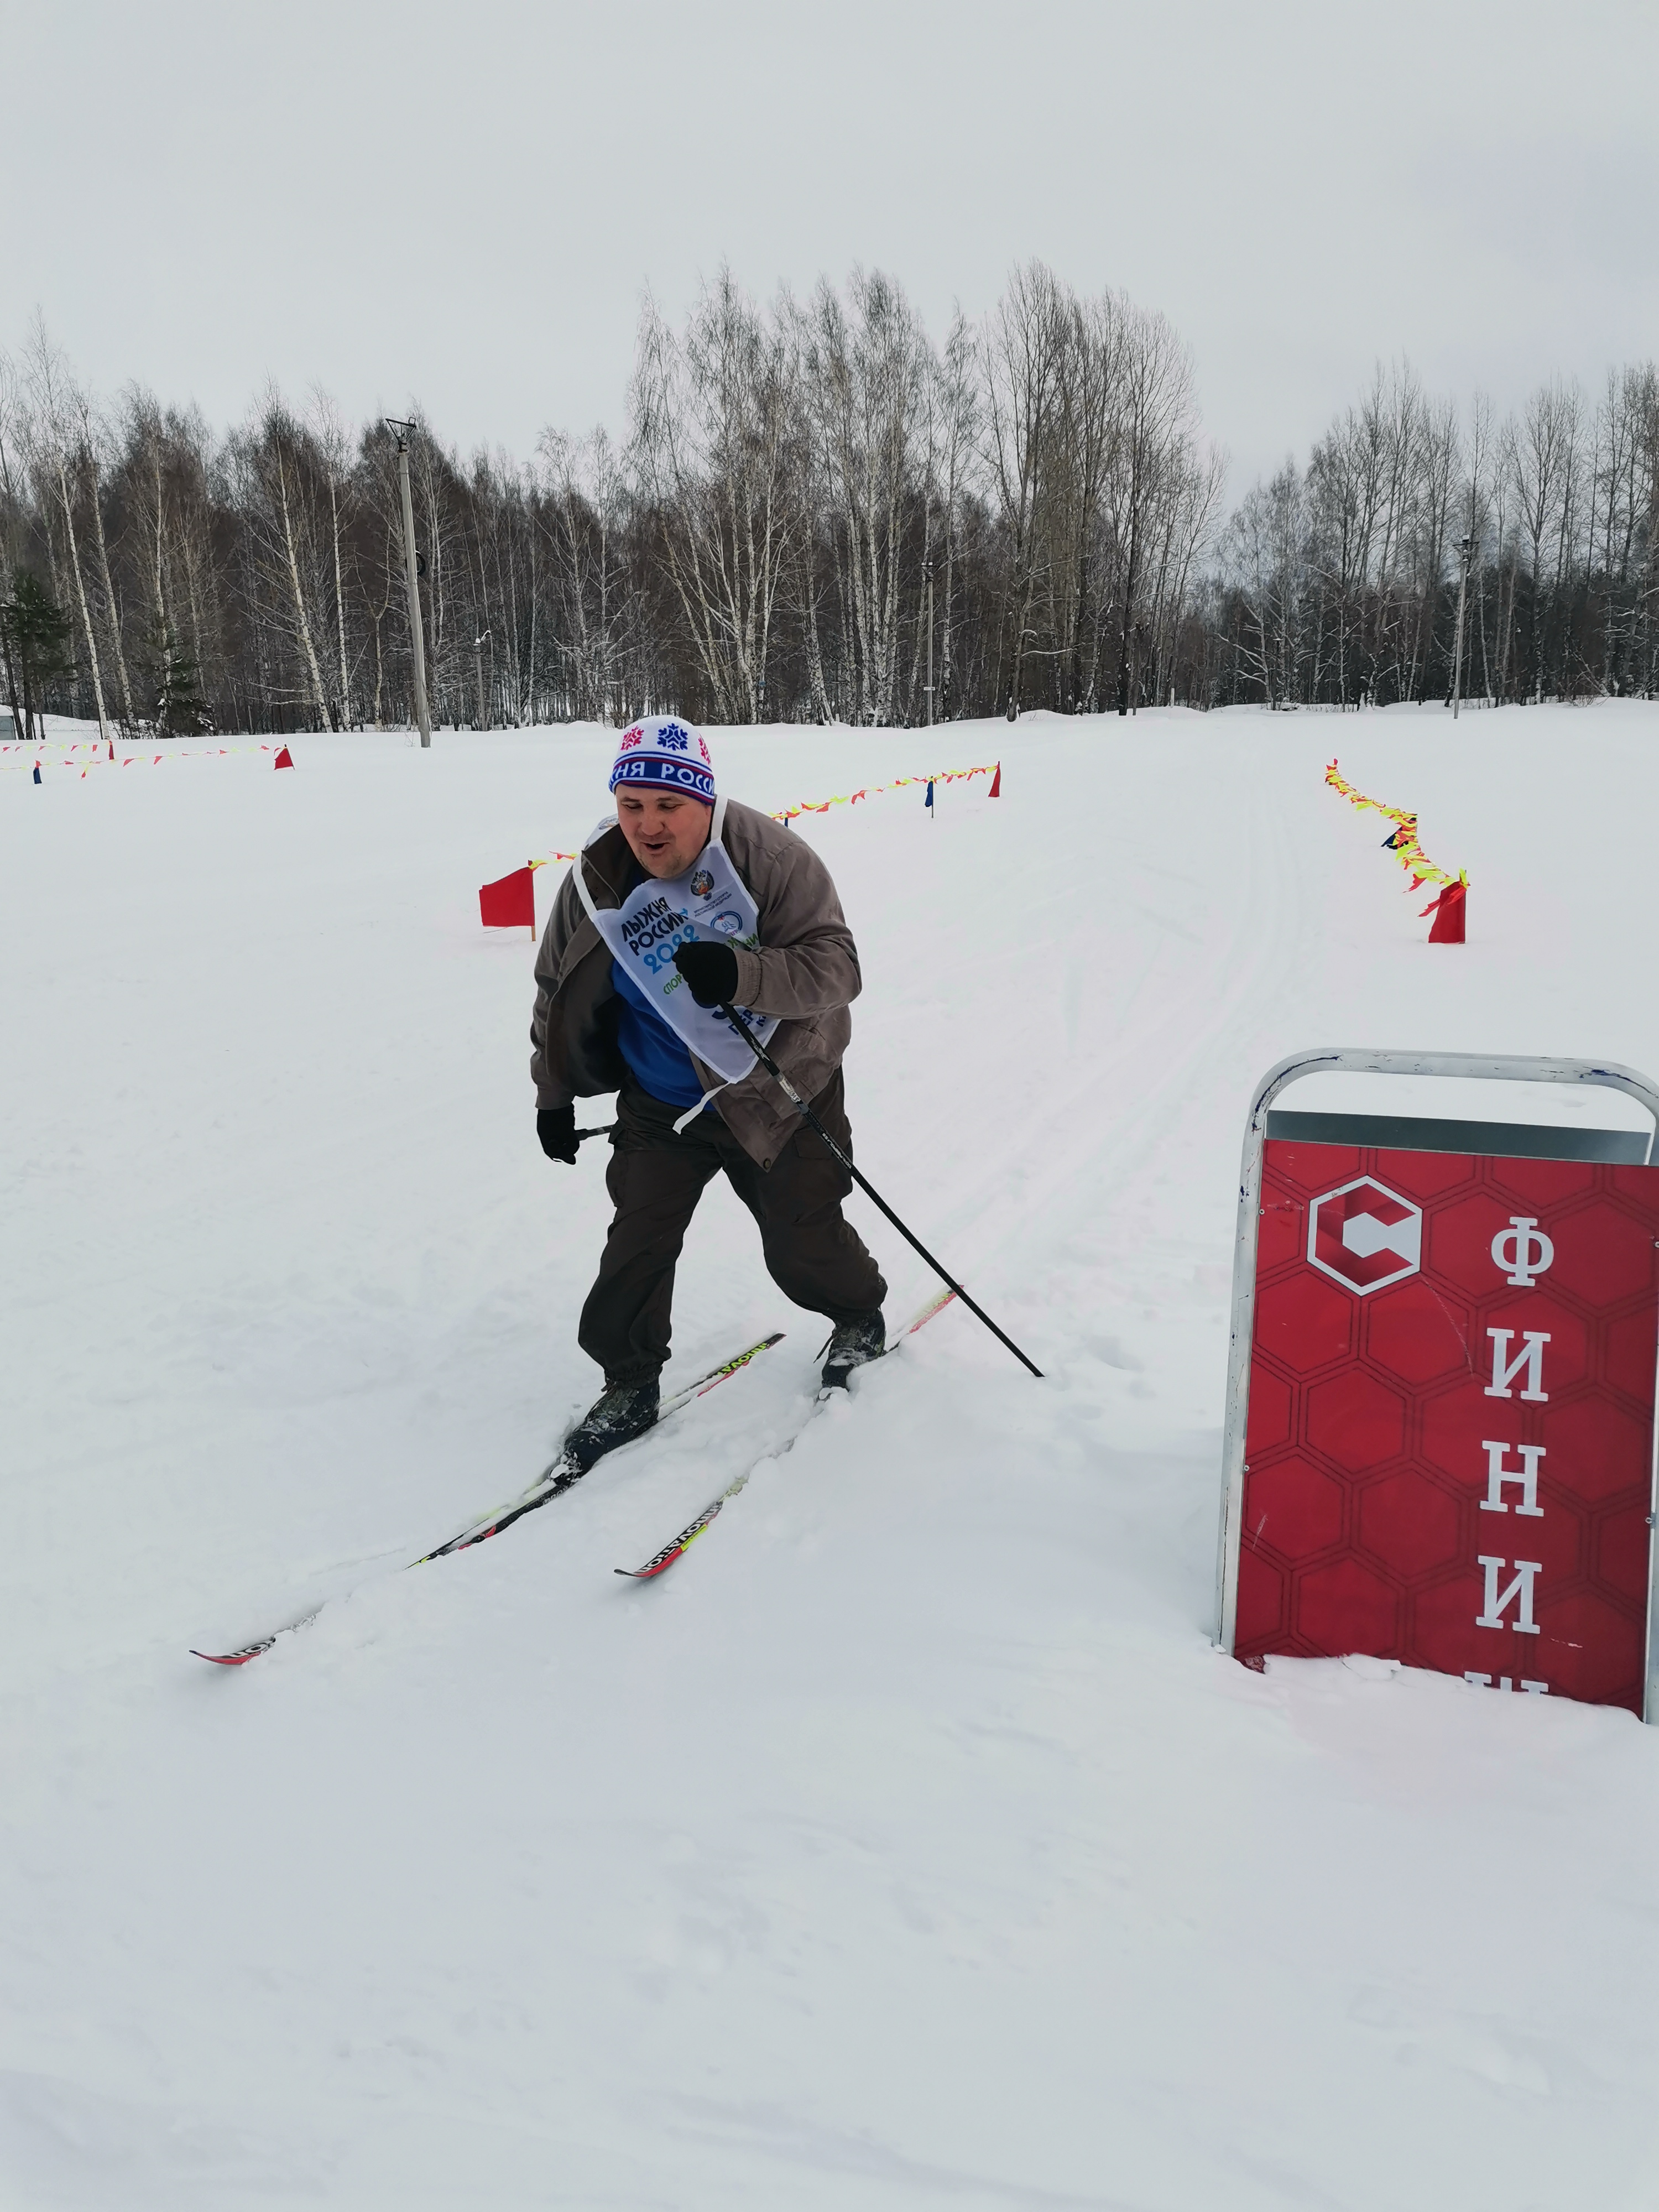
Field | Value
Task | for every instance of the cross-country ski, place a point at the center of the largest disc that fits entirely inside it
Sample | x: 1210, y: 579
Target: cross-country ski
x: 561, y: 1476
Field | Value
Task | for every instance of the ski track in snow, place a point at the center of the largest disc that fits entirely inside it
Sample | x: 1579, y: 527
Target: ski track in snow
x: 908, y: 1844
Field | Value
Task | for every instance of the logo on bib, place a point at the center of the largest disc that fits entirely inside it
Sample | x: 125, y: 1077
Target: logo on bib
x: 702, y: 884
x: 657, y: 917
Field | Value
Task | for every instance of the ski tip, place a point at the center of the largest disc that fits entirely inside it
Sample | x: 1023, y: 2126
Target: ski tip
x: 247, y: 1651
x: 651, y: 1569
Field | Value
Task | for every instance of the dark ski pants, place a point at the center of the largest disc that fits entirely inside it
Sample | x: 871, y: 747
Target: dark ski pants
x: 655, y: 1179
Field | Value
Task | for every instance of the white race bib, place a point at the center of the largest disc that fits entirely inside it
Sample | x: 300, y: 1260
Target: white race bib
x: 710, y: 903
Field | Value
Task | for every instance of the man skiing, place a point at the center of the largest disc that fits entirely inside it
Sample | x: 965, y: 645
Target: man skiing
x: 688, y: 903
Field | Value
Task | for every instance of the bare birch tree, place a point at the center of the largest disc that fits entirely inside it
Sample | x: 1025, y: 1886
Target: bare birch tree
x: 1022, y: 363
x: 716, y: 443
x: 54, y: 413
x: 1158, y: 417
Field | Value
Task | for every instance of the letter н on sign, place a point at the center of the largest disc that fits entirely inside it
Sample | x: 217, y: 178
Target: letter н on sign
x: 1448, y: 1439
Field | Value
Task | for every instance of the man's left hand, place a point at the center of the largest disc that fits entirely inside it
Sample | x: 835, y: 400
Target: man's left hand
x: 711, y: 970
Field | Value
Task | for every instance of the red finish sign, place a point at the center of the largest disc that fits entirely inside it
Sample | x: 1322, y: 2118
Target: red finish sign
x: 1448, y: 1454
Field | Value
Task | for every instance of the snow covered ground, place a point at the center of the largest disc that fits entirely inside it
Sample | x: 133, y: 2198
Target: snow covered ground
x: 908, y: 1844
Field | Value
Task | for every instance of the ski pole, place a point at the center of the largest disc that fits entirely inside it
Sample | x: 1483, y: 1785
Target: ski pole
x: 583, y: 1135
x: 867, y: 1188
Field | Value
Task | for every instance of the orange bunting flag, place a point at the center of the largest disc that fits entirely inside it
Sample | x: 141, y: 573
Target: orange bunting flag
x: 510, y: 902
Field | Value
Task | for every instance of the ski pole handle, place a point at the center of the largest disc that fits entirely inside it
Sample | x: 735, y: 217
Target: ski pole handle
x: 868, y: 1188
x: 583, y: 1135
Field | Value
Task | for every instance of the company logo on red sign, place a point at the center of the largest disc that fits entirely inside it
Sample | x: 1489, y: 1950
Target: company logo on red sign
x: 1365, y: 1236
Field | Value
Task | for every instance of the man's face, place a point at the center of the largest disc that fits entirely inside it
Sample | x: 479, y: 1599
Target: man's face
x: 665, y: 830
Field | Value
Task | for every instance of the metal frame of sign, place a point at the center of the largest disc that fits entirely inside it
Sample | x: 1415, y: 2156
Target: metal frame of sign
x: 1496, y: 1067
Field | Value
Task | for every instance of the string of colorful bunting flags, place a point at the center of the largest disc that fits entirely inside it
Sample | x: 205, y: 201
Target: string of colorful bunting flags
x: 1449, y: 908
x: 101, y: 753
x: 992, y: 769
x: 510, y: 902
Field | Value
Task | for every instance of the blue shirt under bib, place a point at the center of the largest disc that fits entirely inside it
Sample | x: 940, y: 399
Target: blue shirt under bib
x: 659, y: 1062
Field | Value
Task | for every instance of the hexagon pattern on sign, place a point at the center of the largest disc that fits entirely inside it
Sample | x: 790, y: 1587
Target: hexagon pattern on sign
x: 1365, y: 1236
x: 1450, y: 1461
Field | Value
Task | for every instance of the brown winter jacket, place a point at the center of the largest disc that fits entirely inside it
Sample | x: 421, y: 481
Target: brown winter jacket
x: 806, y: 971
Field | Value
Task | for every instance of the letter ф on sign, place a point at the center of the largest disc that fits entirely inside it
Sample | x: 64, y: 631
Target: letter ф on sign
x: 1521, y: 1250
x: 1431, y: 1339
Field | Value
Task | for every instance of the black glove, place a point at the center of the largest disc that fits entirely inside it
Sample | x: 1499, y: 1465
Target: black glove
x: 555, y: 1126
x: 711, y: 970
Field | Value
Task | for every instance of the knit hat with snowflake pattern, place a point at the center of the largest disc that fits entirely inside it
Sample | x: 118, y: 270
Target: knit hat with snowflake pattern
x: 665, y: 752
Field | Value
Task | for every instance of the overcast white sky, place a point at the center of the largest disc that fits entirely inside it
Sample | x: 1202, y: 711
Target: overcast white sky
x: 466, y: 204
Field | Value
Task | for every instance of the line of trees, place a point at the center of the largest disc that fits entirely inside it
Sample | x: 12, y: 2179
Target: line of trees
x: 1338, y: 584
x: 819, y: 514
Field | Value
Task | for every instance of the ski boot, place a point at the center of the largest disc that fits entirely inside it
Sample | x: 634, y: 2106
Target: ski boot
x: 854, y: 1344
x: 626, y: 1411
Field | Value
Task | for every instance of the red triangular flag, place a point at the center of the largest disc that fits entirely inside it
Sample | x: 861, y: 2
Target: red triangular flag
x: 112, y: 749
x: 1448, y: 911
x: 285, y: 759
x: 510, y: 902
x: 996, y: 782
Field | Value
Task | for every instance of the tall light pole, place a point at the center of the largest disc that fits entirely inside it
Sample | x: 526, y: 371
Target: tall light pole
x: 930, y: 646
x: 403, y: 432
x: 1466, y: 547
x: 478, y: 645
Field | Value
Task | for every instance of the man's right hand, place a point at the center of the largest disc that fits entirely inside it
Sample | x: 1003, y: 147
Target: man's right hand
x: 555, y: 1126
